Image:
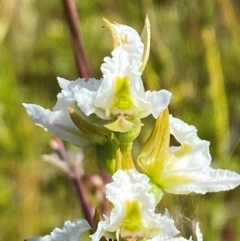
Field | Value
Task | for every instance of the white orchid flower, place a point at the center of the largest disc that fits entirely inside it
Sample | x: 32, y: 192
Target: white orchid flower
x: 71, y: 231
x: 119, y: 98
x: 183, y: 169
x: 133, y: 215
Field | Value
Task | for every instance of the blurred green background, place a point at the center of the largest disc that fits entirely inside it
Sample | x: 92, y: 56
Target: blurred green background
x: 195, y: 53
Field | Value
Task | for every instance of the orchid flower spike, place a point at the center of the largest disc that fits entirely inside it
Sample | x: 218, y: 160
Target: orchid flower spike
x: 186, y: 168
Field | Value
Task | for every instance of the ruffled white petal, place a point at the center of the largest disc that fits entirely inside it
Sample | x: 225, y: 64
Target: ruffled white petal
x: 129, y: 185
x: 66, y: 96
x: 167, y: 238
x: 102, y: 230
x: 188, y: 167
x: 57, y: 123
x: 78, y: 91
x: 187, y: 134
x: 85, y: 96
x: 199, y: 237
x: 199, y: 180
x: 71, y: 231
x: 157, y: 102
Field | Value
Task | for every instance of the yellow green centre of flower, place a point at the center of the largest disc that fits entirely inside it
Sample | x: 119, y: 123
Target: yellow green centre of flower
x: 122, y: 103
x: 132, y: 223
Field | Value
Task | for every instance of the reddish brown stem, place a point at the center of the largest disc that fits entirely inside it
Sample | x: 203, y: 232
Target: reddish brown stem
x: 83, y: 199
x: 107, y: 179
x: 73, y: 22
x: 76, y: 182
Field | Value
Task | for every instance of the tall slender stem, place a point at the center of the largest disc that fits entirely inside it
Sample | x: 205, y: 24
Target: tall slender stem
x: 79, y: 54
x: 88, y: 212
x: 83, y: 71
x: 75, y: 179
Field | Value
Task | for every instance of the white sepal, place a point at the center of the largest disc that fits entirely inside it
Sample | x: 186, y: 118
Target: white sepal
x: 188, y: 167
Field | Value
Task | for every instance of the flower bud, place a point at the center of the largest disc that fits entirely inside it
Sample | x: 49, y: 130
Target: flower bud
x: 155, y: 151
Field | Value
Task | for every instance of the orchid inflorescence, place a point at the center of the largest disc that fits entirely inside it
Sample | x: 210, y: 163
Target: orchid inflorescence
x: 106, y: 114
